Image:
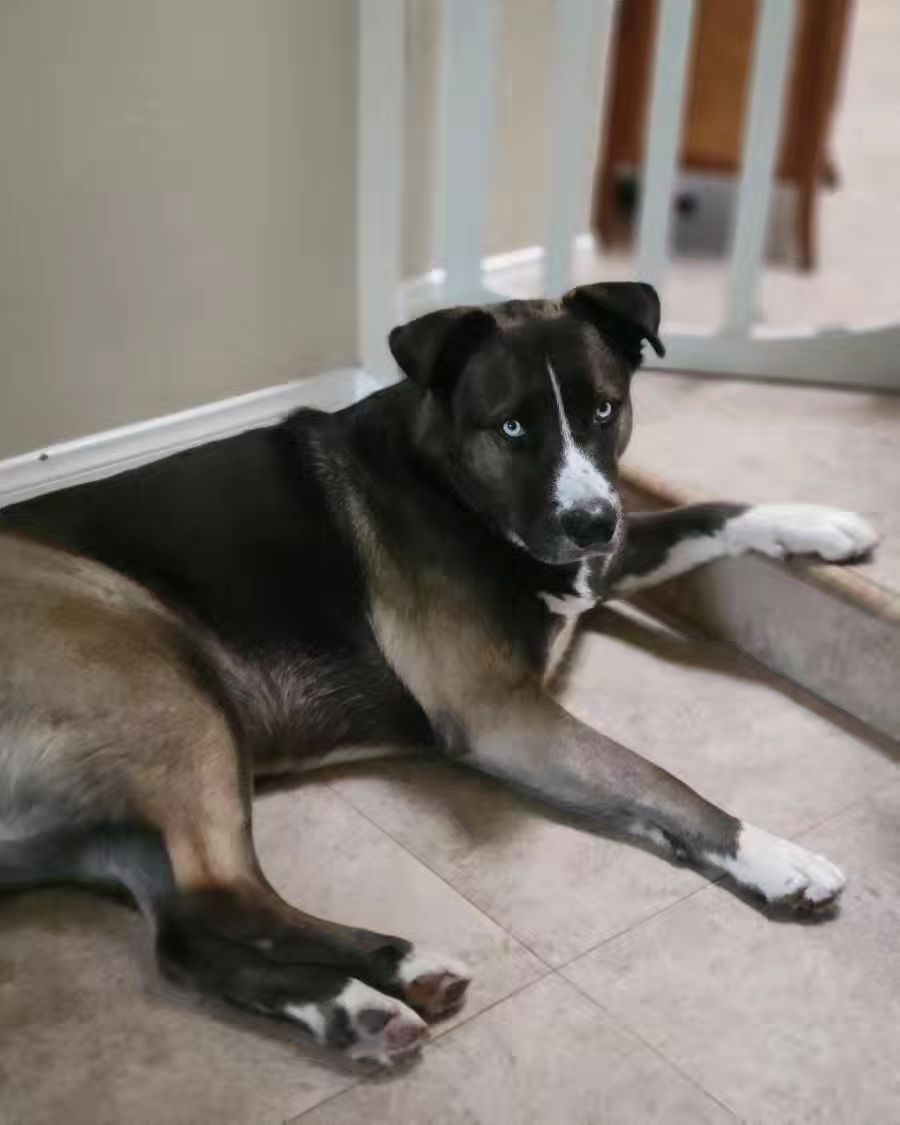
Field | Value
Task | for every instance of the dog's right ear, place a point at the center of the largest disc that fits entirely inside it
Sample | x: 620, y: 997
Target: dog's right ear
x: 433, y: 349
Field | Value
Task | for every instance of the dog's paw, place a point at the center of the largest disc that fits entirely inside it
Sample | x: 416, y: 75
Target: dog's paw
x: 783, y: 873
x: 432, y: 983
x: 779, y: 530
x: 364, y: 1025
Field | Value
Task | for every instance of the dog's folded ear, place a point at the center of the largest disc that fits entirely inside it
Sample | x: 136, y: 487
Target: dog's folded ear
x: 624, y: 310
x: 433, y: 349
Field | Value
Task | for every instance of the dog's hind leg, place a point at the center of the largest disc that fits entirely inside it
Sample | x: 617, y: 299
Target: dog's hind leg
x: 186, y: 856
x: 663, y: 545
x: 222, y: 929
x: 118, y: 765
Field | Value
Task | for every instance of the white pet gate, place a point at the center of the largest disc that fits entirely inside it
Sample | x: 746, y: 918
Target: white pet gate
x: 469, y: 32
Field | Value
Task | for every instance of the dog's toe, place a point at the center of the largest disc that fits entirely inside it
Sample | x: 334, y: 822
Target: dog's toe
x: 784, y: 874
x: 364, y: 1025
x: 433, y: 983
x: 803, y: 529
x: 844, y: 536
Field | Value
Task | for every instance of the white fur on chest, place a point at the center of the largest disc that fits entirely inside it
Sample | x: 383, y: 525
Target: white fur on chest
x: 568, y: 608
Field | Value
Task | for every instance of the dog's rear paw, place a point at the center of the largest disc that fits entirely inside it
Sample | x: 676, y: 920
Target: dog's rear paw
x: 364, y: 1025
x: 779, y: 530
x: 433, y: 984
x: 784, y: 874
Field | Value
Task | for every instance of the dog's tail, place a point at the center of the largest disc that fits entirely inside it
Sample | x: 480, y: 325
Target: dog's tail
x: 110, y: 858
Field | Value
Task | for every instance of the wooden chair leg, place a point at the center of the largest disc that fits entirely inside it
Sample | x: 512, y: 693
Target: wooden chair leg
x: 606, y: 217
x: 806, y: 226
x: 830, y: 176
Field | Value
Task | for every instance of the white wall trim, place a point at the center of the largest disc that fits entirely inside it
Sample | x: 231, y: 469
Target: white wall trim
x: 111, y: 451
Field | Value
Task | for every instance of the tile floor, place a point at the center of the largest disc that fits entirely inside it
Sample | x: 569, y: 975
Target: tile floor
x: 755, y: 442
x: 610, y: 986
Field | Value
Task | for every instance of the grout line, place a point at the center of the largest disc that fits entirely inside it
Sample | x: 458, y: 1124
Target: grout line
x: 543, y: 960
x: 559, y: 970
x: 624, y: 1025
x: 443, y: 878
x: 448, y: 1035
x: 641, y: 921
x: 331, y: 1097
x: 854, y: 804
x: 436, y: 1044
x: 711, y: 881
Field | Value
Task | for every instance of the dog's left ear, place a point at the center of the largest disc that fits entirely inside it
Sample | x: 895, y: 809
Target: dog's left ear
x: 627, y: 309
x: 433, y: 349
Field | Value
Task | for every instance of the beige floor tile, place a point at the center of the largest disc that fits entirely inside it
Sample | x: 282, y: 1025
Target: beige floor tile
x: 782, y: 1022
x: 710, y: 716
x: 558, y: 888
x: 544, y: 1056
x: 327, y: 859
x: 741, y: 736
x: 755, y: 442
x: 82, y: 1040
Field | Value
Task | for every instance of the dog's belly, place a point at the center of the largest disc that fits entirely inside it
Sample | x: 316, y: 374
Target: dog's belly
x: 294, y: 763
x: 320, y: 709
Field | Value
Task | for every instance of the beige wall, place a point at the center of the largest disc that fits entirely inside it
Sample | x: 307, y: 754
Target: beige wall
x: 176, y: 205
x: 177, y: 209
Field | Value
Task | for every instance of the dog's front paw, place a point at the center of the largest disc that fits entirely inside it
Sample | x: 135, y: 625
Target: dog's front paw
x: 778, y: 530
x: 783, y: 873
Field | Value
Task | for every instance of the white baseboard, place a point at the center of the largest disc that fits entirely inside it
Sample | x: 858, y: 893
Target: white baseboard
x: 111, y: 451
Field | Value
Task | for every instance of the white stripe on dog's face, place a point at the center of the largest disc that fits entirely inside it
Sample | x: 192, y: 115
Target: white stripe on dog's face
x: 578, y: 482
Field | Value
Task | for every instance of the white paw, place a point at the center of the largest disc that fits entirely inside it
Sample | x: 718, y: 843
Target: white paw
x: 778, y: 530
x: 782, y: 872
x: 363, y: 1024
x: 433, y: 983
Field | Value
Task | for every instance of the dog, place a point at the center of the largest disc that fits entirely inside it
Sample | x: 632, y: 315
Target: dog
x: 404, y: 573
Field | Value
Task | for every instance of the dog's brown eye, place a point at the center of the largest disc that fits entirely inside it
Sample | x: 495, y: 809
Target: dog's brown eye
x: 604, y: 412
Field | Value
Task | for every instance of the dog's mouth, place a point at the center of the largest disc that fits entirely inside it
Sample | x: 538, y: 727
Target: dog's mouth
x: 559, y: 549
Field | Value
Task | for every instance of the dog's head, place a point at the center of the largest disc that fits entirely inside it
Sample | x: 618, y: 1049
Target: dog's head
x: 525, y: 409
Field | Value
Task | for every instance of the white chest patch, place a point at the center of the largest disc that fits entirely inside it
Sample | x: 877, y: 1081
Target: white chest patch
x: 578, y: 480
x: 568, y: 607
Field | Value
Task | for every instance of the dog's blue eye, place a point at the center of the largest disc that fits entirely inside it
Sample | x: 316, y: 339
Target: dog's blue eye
x: 604, y: 411
x: 513, y: 428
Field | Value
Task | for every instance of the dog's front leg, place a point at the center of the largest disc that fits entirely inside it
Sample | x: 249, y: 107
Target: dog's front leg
x: 537, y: 746
x: 662, y: 545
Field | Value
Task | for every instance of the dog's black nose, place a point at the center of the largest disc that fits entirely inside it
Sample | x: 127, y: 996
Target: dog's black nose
x: 592, y: 527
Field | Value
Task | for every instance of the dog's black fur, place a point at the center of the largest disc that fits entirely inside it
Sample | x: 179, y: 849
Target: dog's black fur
x: 396, y: 574
x: 250, y: 537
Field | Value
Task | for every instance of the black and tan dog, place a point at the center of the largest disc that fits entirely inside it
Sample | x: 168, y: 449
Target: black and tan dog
x: 404, y: 574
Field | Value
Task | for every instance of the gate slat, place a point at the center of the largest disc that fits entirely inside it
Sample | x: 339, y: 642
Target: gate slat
x: 583, y: 31
x: 762, y: 134
x: 663, y: 137
x: 379, y: 180
x: 469, y: 40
